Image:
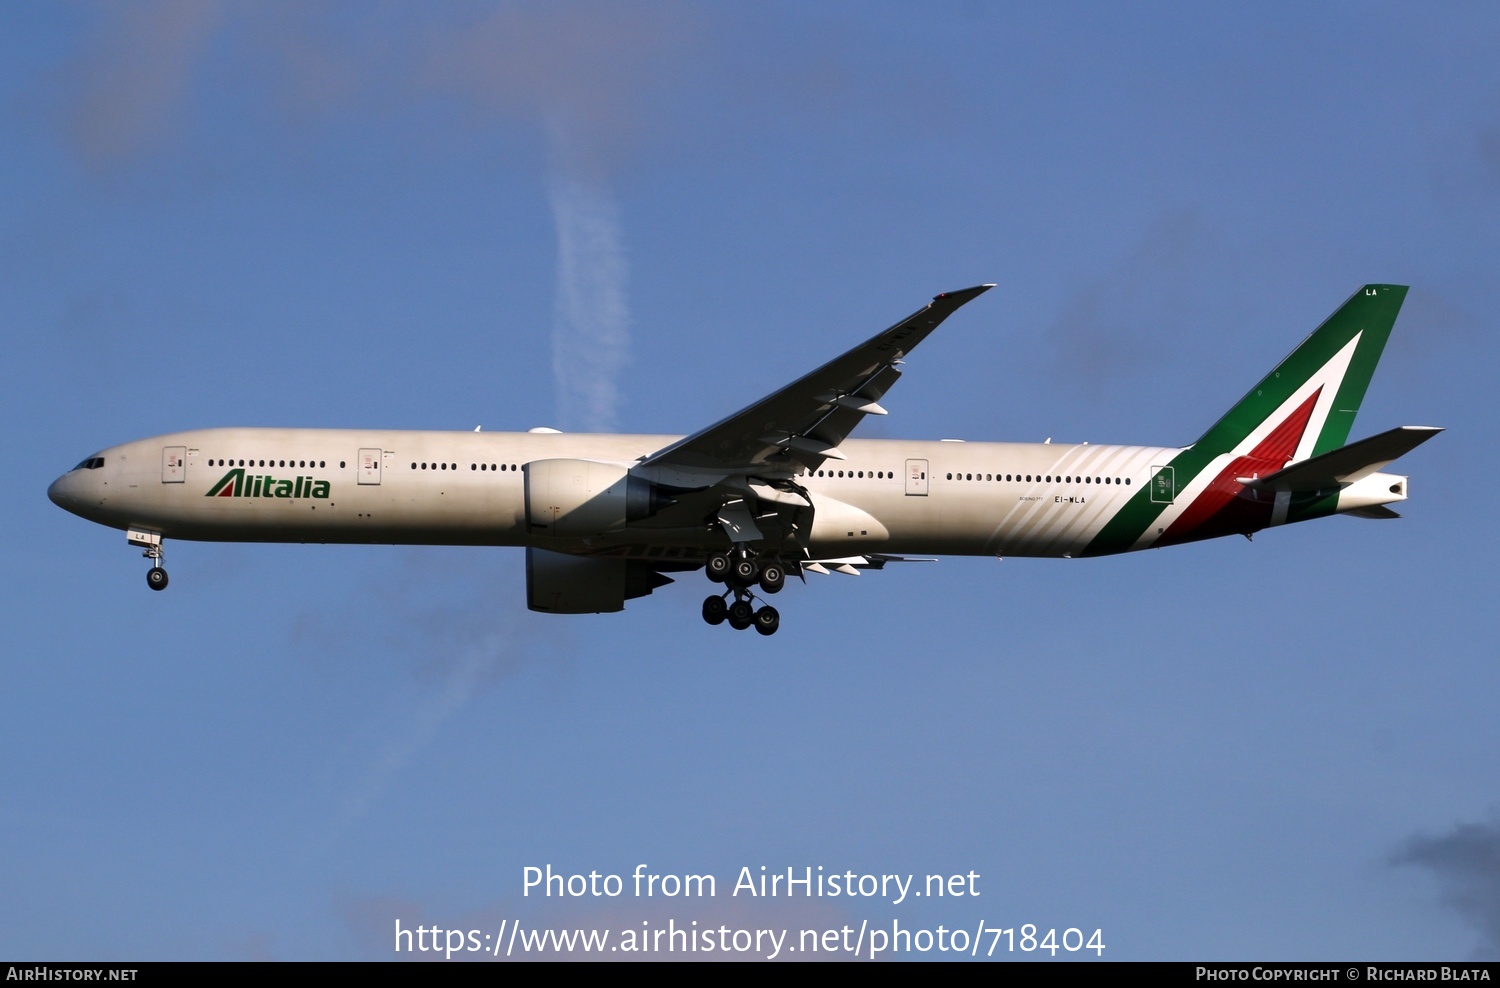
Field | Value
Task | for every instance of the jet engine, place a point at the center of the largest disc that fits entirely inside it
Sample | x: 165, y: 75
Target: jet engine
x: 558, y: 583
x: 582, y: 498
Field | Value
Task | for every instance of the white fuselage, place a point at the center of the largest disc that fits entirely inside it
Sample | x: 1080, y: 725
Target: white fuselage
x: 778, y: 488
x: 469, y: 488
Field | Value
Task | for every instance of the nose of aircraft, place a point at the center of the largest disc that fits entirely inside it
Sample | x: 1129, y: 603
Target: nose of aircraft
x: 61, y: 491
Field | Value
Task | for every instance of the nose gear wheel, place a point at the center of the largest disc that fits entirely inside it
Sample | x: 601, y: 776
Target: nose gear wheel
x: 156, y: 576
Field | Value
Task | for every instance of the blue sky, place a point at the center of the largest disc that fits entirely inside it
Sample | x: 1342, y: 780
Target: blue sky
x: 642, y: 217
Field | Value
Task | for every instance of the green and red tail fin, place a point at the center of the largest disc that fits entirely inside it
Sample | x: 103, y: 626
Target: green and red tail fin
x: 1335, y: 363
x: 1303, y: 408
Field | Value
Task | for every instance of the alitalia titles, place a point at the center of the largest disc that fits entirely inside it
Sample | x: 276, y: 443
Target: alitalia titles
x: 236, y: 483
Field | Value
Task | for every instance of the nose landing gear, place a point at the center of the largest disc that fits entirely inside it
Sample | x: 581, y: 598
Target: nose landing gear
x: 150, y: 542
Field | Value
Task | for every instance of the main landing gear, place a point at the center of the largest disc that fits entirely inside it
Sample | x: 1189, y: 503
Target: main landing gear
x: 742, y: 614
x: 740, y: 572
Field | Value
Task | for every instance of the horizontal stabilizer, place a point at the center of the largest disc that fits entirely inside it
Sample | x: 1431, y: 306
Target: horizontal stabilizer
x: 1346, y: 464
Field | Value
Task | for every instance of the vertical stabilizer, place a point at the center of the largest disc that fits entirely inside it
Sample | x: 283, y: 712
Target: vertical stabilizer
x: 1303, y: 408
x: 1335, y: 362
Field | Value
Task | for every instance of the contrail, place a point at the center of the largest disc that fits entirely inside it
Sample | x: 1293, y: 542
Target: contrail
x: 591, y: 321
x: 485, y: 657
x: 457, y: 688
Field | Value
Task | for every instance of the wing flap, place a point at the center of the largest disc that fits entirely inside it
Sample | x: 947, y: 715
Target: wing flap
x: 851, y: 565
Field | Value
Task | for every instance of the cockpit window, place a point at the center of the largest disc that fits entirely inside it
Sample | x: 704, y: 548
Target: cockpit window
x: 92, y: 463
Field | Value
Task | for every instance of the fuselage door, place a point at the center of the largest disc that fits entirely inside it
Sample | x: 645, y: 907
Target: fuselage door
x: 1163, y: 486
x: 916, y: 478
x: 369, y: 466
x: 173, y: 464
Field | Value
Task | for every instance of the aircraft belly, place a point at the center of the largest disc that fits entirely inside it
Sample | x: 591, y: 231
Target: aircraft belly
x: 373, y: 515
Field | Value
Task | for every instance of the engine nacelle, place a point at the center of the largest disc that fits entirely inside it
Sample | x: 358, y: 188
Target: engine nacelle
x: 558, y: 583
x: 583, y: 498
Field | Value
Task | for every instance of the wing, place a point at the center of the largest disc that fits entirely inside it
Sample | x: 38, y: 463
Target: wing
x: 805, y: 422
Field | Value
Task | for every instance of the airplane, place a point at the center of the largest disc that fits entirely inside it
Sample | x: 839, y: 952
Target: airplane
x: 778, y: 488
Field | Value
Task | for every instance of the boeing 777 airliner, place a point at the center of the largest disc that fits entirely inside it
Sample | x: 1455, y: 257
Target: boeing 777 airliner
x: 775, y: 489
